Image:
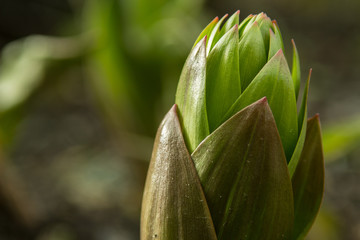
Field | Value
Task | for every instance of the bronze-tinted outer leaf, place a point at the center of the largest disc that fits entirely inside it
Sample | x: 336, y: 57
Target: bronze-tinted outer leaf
x: 174, y: 206
x: 190, y: 97
x: 243, y: 171
x: 308, y: 180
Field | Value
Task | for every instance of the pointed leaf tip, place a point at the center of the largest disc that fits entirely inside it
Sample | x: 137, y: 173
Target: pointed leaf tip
x: 213, y: 34
x: 252, y: 55
x: 174, y: 205
x: 207, y: 30
x: 302, y: 126
x: 275, y: 43
x: 222, y: 64
x: 274, y: 81
x: 242, y: 168
x: 190, y: 96
x: 296, y: 71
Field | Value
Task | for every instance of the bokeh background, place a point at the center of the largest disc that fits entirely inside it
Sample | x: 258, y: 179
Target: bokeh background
x: 85, y: 83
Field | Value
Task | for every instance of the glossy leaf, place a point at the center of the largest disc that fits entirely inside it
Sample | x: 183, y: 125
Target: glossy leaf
x: 308, y: 180
x: 252, y: 55
x: 296, y: 73
x: 302, y: 123
x: 190, y: 97
x: 211, y: 41
x: 174, y: 205
x: 243, y: 171
x: 222, y: 77
x: 207, y: 30
x: 274, y: 81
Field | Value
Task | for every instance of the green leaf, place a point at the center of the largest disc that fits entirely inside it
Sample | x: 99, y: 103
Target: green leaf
x: 174, y: 205
x: 302, y: 123
x: 296, y: 73
x: 243, y: 171
x: 274, y: 81
x: 252, y: 55
x: 211, y: 41
x: 308, y: 180
x: 275, y: 44
x: 229, y: 24
x: 276, y: 30
x: 190, y: 97
x: 207, y: 30
x: 245, y: 25
x: 264, y: 24
x: 222, y: 77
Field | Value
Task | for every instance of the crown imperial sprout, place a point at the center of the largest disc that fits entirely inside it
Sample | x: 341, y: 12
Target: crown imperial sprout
x: 234, y: 158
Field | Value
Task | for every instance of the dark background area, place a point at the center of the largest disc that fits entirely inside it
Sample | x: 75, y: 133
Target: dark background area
x: 73, y: 159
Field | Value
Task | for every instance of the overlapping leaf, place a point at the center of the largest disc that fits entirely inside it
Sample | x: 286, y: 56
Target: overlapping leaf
x: 296, y: 73
x: 274, y: 81
x: 308, y: 180
x: 174, y: 205
x: 207, y: 31
x: 222, y: 77
x: 229, y: 24
x: 243, y: 171
x: 212, y: 37
x: 190, y: 97
x: 275, y: 44
x: 264, y: 24
x: 252, y: 55
x: 302, y: 125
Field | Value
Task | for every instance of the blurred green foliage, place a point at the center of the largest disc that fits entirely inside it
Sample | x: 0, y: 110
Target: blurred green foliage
x: 25, y: 64
x: 139, y: 47
x: 340, y: 138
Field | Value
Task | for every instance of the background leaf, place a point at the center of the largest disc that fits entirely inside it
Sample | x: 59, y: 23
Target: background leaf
x: 341, y: 138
